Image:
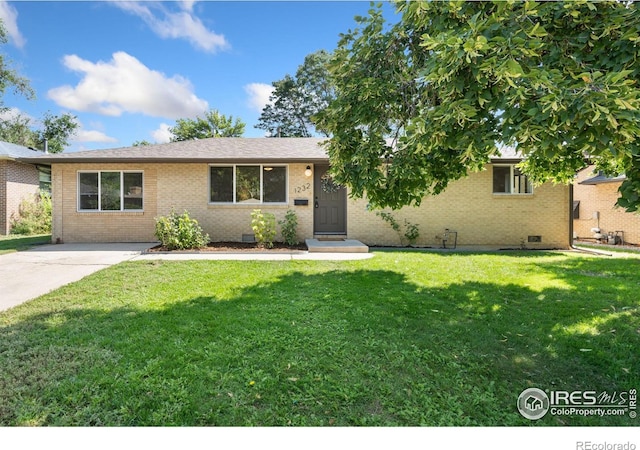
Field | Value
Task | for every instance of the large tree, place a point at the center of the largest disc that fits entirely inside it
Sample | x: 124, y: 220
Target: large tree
x: 56, y: 130
x: 9, y: 78
x: 422, y: 102
x: 296, y: 100
x: 213, y: 124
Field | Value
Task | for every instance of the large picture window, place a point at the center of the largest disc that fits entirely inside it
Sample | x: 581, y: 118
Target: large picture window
x: 508, y: 179
x: 110, y: 191
x: 248, y: 184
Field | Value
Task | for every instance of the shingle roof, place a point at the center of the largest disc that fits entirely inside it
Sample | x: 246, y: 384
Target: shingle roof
x: 601, y: 179
x: 13, y: 151
x: 209, y: 150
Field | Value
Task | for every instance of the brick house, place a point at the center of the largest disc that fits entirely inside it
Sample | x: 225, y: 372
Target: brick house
x: 594, y: 198
x: 114, y: 195
x: 18, y: 180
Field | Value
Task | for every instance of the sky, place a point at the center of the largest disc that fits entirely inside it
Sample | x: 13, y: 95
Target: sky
x: 129, y: 70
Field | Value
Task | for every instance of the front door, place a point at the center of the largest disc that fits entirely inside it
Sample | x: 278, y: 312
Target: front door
x: 330, y: 203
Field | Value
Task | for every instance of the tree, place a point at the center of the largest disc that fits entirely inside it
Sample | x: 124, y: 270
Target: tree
x: 141, y: 143
x: 55, y: 129
x: 213, y: 124
x: 295, y: 101
x: 9, y: 78
x: 424, y: 101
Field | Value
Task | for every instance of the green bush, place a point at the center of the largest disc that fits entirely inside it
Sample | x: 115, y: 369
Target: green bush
x: 290, y: 227
x: 34, y: 215
x: 264, y: 227
x: 180, y: 232
x: 411, y: 230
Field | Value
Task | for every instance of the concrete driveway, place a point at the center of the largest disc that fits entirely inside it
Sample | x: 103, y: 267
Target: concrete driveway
x: 29, y: 274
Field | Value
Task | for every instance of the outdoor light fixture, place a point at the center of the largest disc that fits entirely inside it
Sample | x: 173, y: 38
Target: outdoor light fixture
x: 307, y: 171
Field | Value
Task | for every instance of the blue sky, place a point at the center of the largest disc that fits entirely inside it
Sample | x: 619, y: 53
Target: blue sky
x: 128, y: 70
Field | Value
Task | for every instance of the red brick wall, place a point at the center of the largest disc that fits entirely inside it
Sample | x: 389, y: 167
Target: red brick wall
x: 17, y: 181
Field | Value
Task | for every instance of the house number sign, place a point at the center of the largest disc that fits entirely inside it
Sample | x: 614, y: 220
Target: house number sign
x: 302, y: 188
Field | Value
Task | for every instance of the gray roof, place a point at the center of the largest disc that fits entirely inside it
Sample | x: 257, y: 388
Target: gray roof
x: 210, y: 150
x: 601, y: 179
x: 13, y: 151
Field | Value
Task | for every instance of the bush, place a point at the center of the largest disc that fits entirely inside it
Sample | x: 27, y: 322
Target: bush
x: 411, y: 230
x: 290, y: 227
x: 264, y: 227
x: 34, y: 215
x: 180, y: 232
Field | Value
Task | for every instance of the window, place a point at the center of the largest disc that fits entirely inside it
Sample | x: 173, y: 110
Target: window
x: 110, y: 191
x: 509, y: 180
x: 248, y: 184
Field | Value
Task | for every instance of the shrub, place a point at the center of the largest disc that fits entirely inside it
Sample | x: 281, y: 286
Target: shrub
x: 34, y: 215
x: 180, y: 232
x: 264, y: 227
x: 411, y: 230
x: 290, y: 227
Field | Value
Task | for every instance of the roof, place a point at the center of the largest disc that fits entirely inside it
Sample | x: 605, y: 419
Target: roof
x: 209, y: 150
x: 601, y: 179
x: 14, y: 151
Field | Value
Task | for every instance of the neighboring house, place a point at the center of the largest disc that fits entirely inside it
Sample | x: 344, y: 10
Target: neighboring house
x: 594, y: 199
x: 114, y: 195
x: 18, y: 180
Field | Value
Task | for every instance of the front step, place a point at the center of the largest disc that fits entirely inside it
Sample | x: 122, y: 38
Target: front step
x: 330, y: 237
x: 336, y: 246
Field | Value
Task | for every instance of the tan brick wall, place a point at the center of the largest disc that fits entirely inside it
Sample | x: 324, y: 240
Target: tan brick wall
x: 601, y: 198
x: 167, y: 186
x: 467, y: 206
x: 17, y: 182
x: 480, y: 217
x: 69, y: 225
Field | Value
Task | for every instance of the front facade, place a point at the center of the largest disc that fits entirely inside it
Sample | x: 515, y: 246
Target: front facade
x: 115, y: 196
x: 18, y: 181
x: 594, y: 198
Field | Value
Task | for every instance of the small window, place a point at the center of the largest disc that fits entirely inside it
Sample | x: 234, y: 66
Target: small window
x: 248, y: 184
x: 110, y: 191
x: 576, y: 209
x: 509, y: 179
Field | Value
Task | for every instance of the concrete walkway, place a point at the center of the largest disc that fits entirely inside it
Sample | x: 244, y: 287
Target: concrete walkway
x: 29, y: 274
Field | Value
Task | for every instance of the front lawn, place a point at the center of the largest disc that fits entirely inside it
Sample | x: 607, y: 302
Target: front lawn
x: 15, y: 242
x: 405, y: 338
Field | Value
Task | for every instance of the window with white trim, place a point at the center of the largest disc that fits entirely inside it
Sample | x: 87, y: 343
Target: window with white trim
x: 508, y: 179
x: 239, y: 184
x: 110, y: 191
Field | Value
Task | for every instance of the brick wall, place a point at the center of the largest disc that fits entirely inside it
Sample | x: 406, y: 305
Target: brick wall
x: 17, y: 182
x: 601, y: 198
x: 467, y: 206
x: 480, y: 217
x: 167, y: 186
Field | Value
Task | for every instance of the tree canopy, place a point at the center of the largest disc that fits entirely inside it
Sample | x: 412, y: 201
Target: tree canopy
x: 423, y: 101
x: 295, y: 100
x: 213, y: 124
x: 57, y: 130
x: 9, y: 78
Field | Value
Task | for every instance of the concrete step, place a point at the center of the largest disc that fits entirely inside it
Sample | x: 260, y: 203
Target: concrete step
x: 336, y: 246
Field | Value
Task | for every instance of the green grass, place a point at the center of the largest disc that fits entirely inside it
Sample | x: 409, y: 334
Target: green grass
x: 403, y: 339
x: 15, y: 243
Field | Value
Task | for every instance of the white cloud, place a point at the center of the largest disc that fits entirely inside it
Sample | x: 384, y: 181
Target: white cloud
x: 124, y: 84
x: 12, y: 113
x: 162, y: 135
x: 92, y: 136
x: 258, y: 95
x: 176, y: 25
x: 9, y: 17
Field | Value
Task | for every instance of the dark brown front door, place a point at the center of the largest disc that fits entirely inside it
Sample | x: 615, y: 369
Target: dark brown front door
x: 330, y: 205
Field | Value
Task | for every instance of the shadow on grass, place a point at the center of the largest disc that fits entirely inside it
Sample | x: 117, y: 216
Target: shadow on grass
x: 344, y: 348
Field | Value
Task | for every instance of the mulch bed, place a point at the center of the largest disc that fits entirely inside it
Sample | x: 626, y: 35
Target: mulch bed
x: 235, y: 247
